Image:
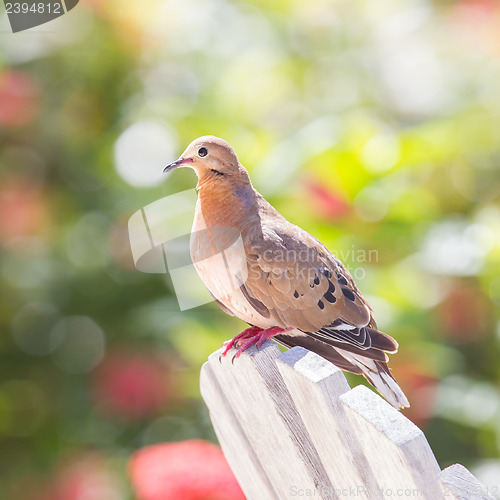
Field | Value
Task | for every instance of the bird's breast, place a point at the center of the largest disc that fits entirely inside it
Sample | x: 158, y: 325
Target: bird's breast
x: 219, y: 256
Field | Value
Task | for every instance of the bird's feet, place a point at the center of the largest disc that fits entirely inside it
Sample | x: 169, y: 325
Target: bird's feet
x: 249, y: 337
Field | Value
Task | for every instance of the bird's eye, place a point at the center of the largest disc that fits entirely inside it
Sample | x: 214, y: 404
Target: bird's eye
x: 202, y: 152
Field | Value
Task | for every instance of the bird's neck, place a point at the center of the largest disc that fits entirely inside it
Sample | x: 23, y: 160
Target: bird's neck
x: 227, y: 204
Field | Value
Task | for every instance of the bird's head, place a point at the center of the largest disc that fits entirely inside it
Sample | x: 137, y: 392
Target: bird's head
x: 210, y: 157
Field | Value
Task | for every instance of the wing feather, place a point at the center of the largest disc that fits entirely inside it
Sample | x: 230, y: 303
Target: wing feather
x: 302, y: 285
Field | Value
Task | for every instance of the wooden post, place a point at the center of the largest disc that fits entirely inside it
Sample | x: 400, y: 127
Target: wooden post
x: 290, y: 426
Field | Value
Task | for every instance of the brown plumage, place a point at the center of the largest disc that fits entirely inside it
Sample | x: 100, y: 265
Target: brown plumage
x: 277, y: 277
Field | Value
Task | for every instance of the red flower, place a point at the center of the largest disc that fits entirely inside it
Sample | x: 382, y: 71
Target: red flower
x: 475, y: 25
x: 19, y: 98
x: 475, y: 10
x: 189, y: 470
x: 328, y: 202
x: 465, y: 314
x: 23, y: 210
x: 131, y: 385
x: 419, y: 385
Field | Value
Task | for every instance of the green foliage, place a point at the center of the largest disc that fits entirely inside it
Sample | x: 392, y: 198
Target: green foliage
x: 376, y: 128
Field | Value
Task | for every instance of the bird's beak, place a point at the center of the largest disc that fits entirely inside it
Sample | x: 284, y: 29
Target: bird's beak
x: 176, y: 164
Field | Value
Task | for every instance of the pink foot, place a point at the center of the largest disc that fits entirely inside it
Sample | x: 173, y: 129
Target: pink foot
x: 249, y: 333
x: 251, y: 336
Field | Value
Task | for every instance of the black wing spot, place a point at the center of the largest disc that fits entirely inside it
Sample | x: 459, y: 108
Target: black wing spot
x: 341, y: 279
x: 320, y: 304
x: 329, y: 293
x: 296, y: 294
x: 316, y: 280
x: 327, y: 273
x: 348, y: 293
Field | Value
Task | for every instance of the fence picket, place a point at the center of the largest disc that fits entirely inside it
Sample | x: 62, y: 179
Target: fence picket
x: 290, y: 426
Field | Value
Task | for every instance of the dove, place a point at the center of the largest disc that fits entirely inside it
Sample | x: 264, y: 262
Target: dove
x: 284, y: 282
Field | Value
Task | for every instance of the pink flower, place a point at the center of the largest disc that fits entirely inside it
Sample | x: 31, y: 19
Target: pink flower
x: 23, y: 210
x: 474, y: 25
x: 19, y: 98
x: 475, y: 10
x: 189, y: 470
x: 87, y: 478
x: 328, y: 202
x: 131, y: 385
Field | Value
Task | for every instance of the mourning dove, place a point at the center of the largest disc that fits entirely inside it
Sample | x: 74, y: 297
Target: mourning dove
x: 285, y: 283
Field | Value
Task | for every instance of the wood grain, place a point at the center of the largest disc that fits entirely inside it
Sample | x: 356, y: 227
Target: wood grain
x: 290, y: 426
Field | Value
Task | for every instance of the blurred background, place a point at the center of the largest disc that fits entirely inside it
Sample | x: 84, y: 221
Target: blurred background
x: 373, y: 125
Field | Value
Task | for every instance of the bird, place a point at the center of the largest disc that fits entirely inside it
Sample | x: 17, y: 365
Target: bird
x: 284, y: 283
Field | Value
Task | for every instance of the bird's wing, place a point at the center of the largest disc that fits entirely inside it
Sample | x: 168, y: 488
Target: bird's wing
x: 295, y: 279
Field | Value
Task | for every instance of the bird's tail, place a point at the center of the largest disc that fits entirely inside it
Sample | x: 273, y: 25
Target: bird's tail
x: 371, y: 363
x: 379, y: 375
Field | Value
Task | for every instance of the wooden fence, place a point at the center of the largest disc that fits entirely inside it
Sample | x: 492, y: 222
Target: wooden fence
x: 291, y: 427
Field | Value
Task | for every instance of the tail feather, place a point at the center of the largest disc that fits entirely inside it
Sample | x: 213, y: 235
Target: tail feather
x: 382, y: 341
x: 379, y: 375
x: 344, y: 356
x: 324, y: 350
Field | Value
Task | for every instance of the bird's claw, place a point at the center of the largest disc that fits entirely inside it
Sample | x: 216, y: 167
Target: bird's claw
x: 251, y: 336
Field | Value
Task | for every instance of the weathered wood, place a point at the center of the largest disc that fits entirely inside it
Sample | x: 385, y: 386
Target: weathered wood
x: 460, y: 484
x: 235, y: 445
x: 394, y: 447
x: 316, y: 386
x: 290, y: 426
x: 273, y: 427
